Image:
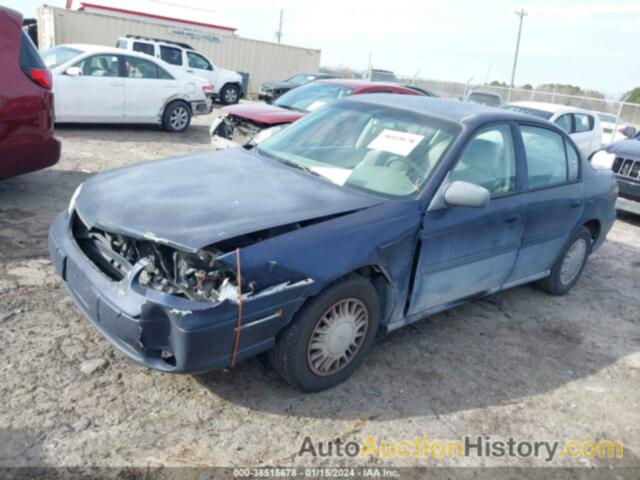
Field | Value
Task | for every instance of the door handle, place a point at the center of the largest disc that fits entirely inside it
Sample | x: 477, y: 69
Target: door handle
x: 513, y: 218
x: 576, y: 203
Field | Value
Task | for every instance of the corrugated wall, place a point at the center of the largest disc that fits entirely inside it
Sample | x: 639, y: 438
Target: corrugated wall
x: 264, y: 61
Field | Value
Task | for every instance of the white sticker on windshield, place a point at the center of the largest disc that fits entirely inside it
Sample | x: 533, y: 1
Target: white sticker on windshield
x: 337, y: 175
x: 394, y: 141
x: 316, y: 105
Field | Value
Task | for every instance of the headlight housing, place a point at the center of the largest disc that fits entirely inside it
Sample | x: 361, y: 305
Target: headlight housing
x: 74, y: 197
x: 602, y: 159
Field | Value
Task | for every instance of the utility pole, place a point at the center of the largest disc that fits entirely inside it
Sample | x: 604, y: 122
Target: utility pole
x: 521, y: 14
x: 279, y: 32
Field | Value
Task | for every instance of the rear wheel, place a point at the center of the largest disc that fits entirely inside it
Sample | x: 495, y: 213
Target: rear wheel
x: 569, y: 264
x: 329, y: 337
x: 230, y: 94
x: 176, y: 117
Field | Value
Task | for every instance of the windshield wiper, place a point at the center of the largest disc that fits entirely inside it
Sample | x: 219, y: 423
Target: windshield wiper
x: 288, y: 163
x: 291, y: 164
x: 293, y: 109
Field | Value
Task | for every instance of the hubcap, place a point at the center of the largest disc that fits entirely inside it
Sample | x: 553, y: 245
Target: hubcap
x: 179, y: 118
x: 230, y: 95
x: 573, y: 261
x: 337, y: 337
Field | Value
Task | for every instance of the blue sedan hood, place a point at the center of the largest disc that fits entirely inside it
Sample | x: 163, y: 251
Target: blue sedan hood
x: 628, y: 146
x: 193, y: 201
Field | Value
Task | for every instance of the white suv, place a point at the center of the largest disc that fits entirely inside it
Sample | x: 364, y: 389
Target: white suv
x: 583, y: 126
x: 227, y: 84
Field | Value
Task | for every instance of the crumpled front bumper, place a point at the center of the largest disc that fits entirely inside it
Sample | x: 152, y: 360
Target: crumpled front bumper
x: 162, y: 331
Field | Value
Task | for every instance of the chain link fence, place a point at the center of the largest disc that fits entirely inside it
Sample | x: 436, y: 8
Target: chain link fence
x: 629, y: 112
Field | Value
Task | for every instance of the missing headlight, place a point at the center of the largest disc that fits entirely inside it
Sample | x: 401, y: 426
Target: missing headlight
x: 198, y: 276
x: 195, y: 276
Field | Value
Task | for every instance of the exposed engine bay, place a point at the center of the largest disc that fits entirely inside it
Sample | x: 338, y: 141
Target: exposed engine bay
x: 237, y: 129
x: 197, y: 276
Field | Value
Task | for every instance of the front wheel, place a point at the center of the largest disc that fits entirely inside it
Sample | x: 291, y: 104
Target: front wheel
x: 569, y: 264
x: 329, y: 337
x: 176, y: 117
x: 230, y: 94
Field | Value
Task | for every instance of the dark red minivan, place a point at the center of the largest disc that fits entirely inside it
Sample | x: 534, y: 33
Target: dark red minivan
x: 26, y: 102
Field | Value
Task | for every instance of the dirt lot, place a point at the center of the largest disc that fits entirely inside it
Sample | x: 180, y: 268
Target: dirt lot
x: 518, y: 364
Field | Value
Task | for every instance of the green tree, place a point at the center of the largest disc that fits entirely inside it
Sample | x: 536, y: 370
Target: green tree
x: 565, y: 89
x: 634, y: 96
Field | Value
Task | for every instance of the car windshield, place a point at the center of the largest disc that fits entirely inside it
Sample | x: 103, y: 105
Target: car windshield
x: 382, y: 76
x: 299, y: 79
x: 312, y: 96
x: 484, y: 98
x: 56, y: 56
x: 376, y: 149
x: 528, y: 111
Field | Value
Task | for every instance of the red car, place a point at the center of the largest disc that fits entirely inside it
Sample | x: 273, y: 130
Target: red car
x: 241, y: 123
x: 26, y: 102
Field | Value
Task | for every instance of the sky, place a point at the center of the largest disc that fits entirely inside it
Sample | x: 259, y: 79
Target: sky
x: 592, y: 44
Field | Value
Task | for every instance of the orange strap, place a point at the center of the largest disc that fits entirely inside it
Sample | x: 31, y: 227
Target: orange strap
x: 239, y: 322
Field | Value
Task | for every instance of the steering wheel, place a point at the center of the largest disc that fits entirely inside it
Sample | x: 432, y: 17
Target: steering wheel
x: 412, y: 172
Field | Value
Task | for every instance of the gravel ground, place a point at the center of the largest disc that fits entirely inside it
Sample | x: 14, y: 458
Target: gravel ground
x: 517, y: 364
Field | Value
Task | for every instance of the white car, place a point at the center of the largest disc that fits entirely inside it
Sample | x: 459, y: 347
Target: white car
x: 98, y: 84
x: 582, y: 126
x: 227, y: 84
x: 608, y: 122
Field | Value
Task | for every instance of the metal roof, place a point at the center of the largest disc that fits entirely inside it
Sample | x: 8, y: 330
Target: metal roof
x: 160, y: 10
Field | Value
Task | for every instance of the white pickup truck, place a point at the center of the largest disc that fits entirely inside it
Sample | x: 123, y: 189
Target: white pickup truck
x: 227, y: 84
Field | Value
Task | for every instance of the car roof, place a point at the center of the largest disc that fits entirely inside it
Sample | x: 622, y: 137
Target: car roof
x: 454, y: 111
x: 482, y: 92
x: 548, y: 107
x: 88, y: 48
x: 355, y: 83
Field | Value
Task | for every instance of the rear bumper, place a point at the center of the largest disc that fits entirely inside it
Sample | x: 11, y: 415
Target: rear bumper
x: 203, y: 107
x: 28, y: 157
x: 162, y: 331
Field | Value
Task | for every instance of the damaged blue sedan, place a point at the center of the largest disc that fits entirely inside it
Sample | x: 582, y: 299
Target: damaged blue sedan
x: 368, y: 214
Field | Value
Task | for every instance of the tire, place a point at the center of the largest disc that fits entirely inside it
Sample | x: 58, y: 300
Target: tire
x: 176, y: 117
x: 561, y: 280
x: 293, y: 352
x: 230, y: 94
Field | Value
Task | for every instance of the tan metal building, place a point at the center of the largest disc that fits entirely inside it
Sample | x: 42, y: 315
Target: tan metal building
x: 264, y: 61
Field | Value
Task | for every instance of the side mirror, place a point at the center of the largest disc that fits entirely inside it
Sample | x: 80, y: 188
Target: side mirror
x: 629, y: 132
x: 466, y: 194
x: 73, y: 71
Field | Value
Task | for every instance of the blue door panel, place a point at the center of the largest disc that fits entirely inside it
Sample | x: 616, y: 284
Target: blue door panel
x: 551, y: 215
x: 466, y: 251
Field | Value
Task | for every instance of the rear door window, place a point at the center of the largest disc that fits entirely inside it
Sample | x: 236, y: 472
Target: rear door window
x: 584, y: 122
x: 573, y: 162
x: 141, y: 68
x: 565, y: 122
x: 144, y: 47
x: 171, y: 55
x: 546, y: 157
